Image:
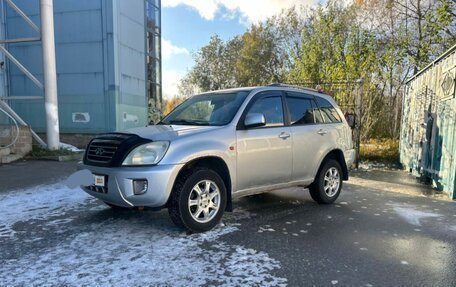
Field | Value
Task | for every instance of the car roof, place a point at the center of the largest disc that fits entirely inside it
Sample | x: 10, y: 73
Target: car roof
x: 232, y: 90
x: 277, y: 87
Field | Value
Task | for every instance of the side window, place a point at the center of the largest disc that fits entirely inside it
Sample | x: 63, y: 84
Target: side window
x: 328, y: 112
x: 301, y: 111
x: 271, y: 108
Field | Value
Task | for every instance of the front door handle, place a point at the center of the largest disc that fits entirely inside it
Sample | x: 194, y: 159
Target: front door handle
x: 284, y: 135
x: 322, y: 132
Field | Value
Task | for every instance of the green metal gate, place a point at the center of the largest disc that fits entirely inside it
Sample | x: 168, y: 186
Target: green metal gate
x: 428, y: 143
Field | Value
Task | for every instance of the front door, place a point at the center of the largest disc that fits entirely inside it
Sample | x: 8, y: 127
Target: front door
x: 264, y: 153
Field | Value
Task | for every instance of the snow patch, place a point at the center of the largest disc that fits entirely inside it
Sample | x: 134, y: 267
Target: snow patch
x: 38, y: 203
x: 414, y: 216
x: 70, y: 147
x: 267, y: 228
x: 117, y: 251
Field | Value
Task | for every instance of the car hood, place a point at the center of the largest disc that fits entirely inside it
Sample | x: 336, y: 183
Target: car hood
x: 169, y: 132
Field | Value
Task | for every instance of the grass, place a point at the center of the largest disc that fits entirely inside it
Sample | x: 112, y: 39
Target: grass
x: 380, y: 150
x: 38, y: 152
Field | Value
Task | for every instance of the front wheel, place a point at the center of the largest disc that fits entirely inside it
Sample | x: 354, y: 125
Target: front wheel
x: 328, y: 183
x: 198, y: 200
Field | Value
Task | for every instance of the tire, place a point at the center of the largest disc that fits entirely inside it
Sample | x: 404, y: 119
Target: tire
x: 198, y: 200
x: 322, y: 190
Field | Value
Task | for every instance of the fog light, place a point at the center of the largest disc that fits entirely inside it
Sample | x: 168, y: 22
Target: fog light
x: 139, y: 186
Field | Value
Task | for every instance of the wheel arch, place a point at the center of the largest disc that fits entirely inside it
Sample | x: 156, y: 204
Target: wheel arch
x: 337, y: 155
x: 216, y: 164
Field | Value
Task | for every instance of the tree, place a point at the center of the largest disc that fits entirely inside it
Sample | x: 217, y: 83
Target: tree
x: 170, y: 104
x: 214, y: 67
x: 258, y: 62
x: 382, y: 42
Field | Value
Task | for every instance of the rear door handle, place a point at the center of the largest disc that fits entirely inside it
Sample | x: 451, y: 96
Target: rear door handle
x: 322, y: 132
x: 284, y: 135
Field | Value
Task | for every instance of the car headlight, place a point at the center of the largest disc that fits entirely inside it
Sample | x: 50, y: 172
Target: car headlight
x: 150, y: 153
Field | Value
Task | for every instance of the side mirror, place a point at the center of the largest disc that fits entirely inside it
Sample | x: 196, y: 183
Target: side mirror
x: 254, y: 120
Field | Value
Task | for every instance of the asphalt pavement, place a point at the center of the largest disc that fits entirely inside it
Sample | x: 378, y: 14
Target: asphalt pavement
x: 372, y: 236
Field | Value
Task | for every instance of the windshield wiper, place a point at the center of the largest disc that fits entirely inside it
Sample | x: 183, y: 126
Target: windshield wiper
x: 187, y: 122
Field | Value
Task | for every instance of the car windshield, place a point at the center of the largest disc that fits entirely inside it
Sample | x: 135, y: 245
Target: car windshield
x: 215, y: 109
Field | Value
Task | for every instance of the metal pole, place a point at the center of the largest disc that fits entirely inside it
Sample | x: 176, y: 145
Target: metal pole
x: 358, y: 118
x: 22, y: 14
x: 21, y: 67
x: 50, y: 74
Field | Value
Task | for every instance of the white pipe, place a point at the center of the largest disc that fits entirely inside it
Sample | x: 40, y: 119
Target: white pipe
x: 50, y: 74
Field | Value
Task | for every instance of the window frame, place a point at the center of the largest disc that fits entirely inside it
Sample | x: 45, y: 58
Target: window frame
x: 264, y: 94
x: 319, y: 108
x: 300, y: 95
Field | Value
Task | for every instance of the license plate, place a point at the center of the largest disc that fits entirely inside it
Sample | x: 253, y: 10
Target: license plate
x: 99, y: 180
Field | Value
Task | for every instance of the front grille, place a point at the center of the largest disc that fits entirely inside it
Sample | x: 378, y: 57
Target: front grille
x: 109, y: 150
x: 101, y: 150
x: 100, y: 189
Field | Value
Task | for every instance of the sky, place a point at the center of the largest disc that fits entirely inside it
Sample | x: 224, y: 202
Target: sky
x: 188, y: 25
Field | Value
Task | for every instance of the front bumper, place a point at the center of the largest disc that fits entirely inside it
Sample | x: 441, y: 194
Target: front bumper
x: 119, y: 184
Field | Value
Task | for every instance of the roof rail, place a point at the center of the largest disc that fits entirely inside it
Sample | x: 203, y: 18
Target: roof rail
x: 295, y: 87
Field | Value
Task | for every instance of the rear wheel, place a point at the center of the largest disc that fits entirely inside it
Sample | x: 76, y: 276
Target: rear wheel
x: 198, y: 200
x: 328, y: 183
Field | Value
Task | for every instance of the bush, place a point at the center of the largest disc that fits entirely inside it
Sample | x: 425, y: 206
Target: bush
x: 380, y: 150
x: 38, y: 152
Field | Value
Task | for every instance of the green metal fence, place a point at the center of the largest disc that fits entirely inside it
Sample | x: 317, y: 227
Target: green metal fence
x: 428, y: 132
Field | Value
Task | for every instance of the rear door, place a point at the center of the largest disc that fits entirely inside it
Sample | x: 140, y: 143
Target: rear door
x: 308, y: 132
x: 335, y: 131
x: 264, y: 154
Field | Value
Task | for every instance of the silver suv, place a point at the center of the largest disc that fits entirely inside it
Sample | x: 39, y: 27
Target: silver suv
x: 221, y: 145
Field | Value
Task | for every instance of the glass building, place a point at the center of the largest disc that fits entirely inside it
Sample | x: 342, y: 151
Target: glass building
x: 108, y: 56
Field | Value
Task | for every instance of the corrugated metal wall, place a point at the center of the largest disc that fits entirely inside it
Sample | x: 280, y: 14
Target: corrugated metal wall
x: 131, y: 63
x: 100, y: 51
x: 428, y: 133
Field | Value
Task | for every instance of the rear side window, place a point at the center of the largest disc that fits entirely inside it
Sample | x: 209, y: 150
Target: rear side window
x: 318, y: 117
x: 301, y: 111
x: 329, y: 113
